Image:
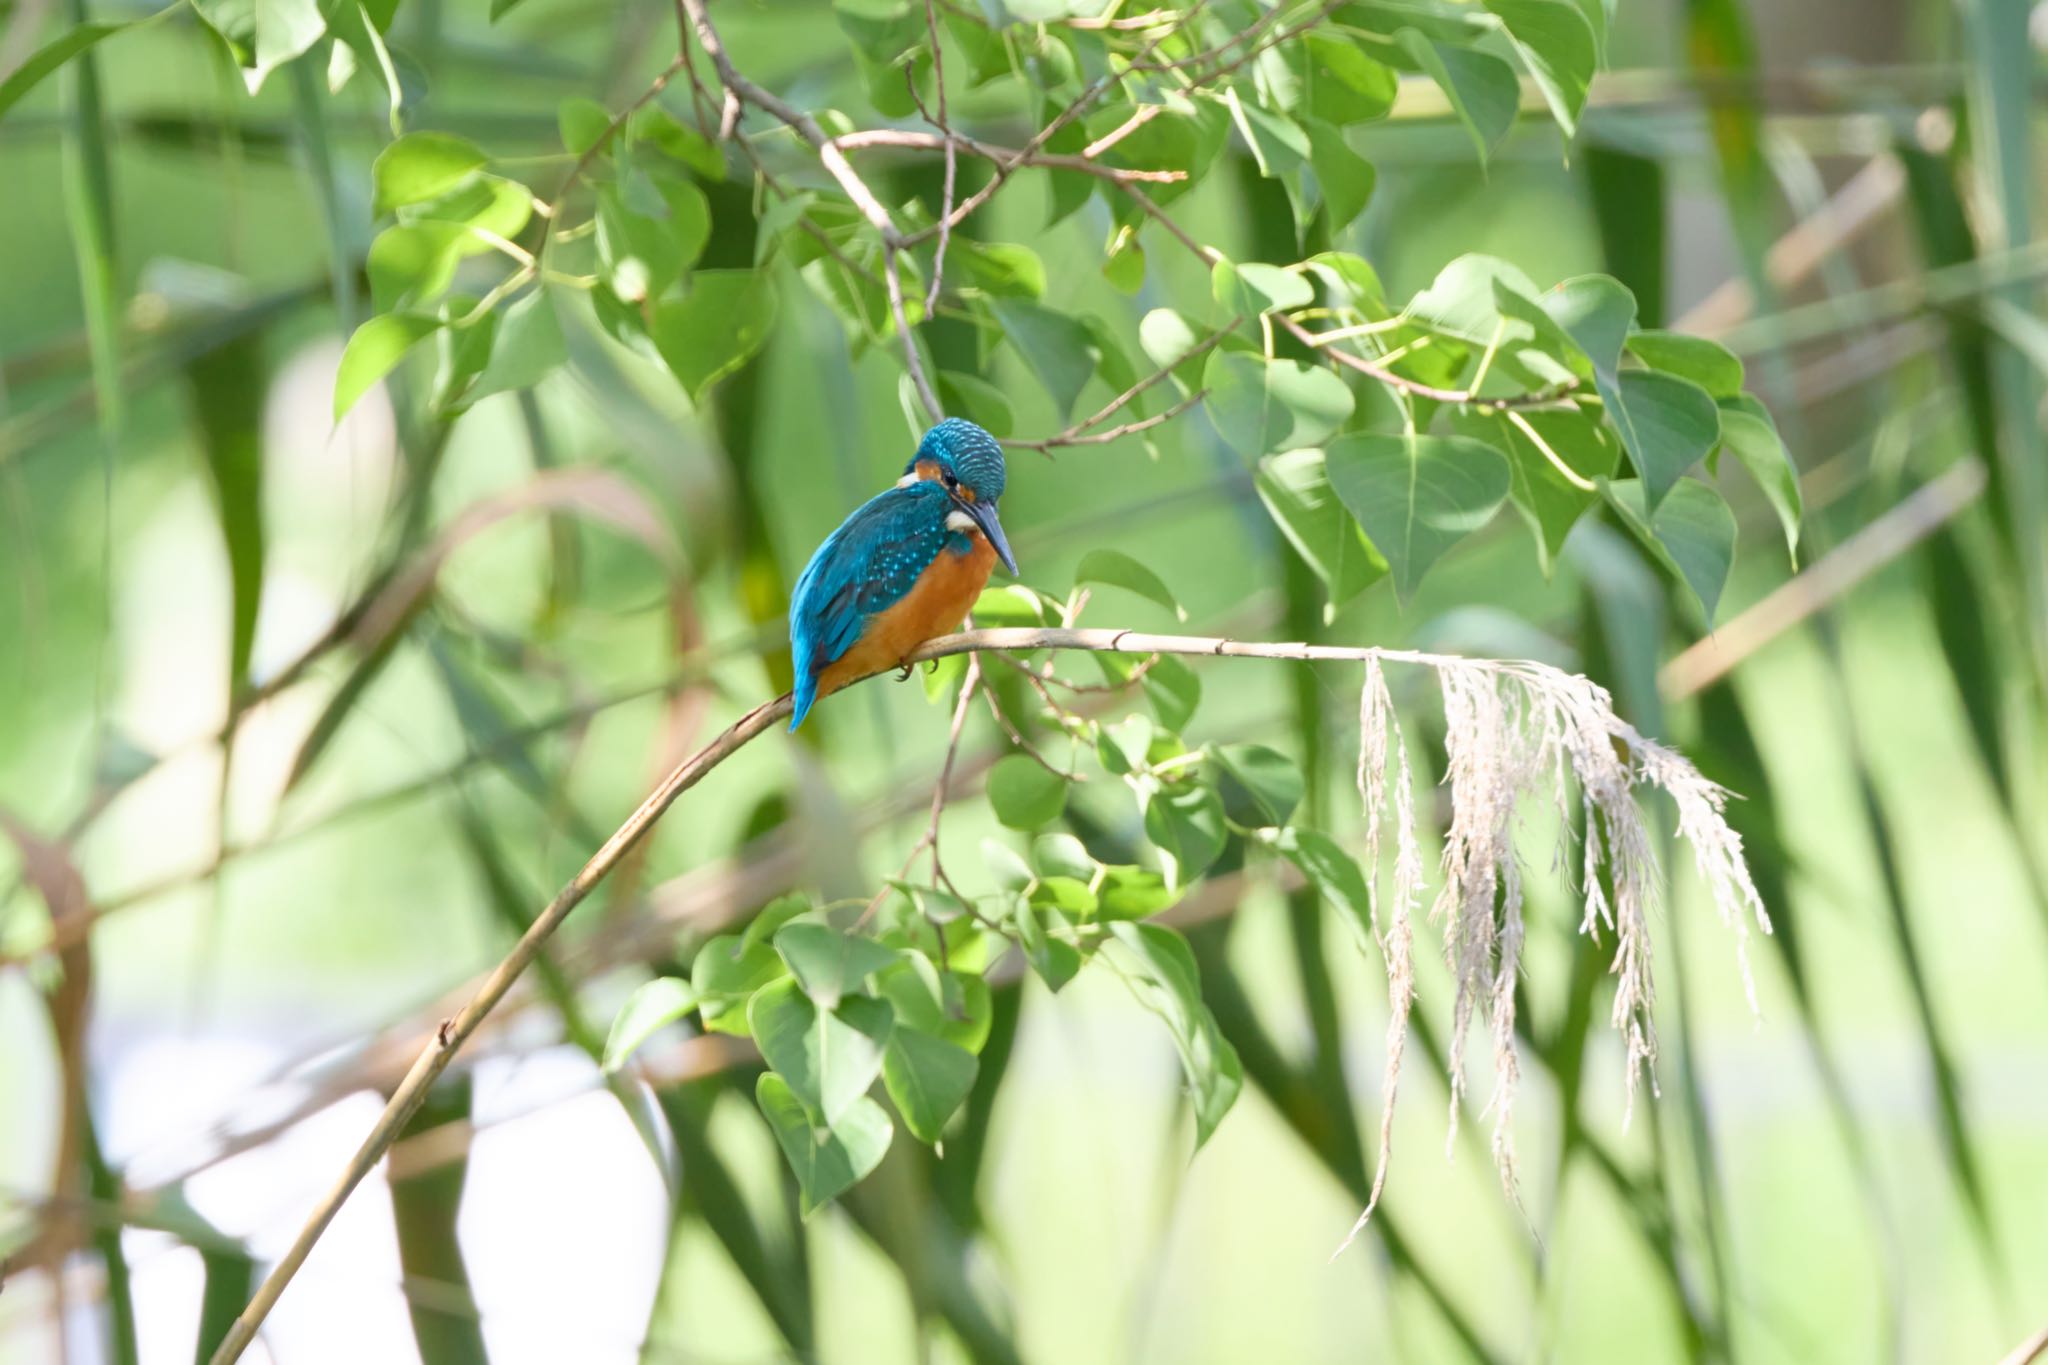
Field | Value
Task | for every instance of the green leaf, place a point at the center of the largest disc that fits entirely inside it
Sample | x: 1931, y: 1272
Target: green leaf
x: 1555, y: 42
x: 529, y: 347
x: 881, y: 30
x: 1062, y: 855
x: 652, y: 1007
x: 1162, y: 975
x: 1676, y: 424
x: 955, y: 1006
x: 1692, y: 532
x: 1186, y: 825
x: 1119, y: 570
x: 827, y: 1162
x: 582, y: 122
x: 828, y: 964
x: 1006, y: 865
x: 1747, y: 430
x: 1055, y: 960
x: 1261, y: 406
x: 263, y: 34
x: 228, y: 386
x: 977, y: 398
x: 374, y: 351
x: 421, y: 166
x: 1056, y: 348
x: 1260, y: 786
x: 716, y: 328
x: 727, y: 971
x: 413, y: 263
x: 1295, y: 488
x: 1483, y: 91
x: 1546, y: 499
x: 1174, y: 689
x: 1133, y: 893
x: 1124, y: 747
x: 1253, y: 288
x: 761, y: 929
x: 1339, y: 83
x: 1278, y: 144
x: 49, y: 57
x: 1416, y: 496
x: 829, y: 1057
x: 1334, y: 874
x: 1023, y: 794
x: 1067, y: 895
x: 928, y: 1078
x: 1706, y: 363
x: 1004, y: 269
x: 658, y: 127
x: 1169, y: 339
x: 1345, y: 177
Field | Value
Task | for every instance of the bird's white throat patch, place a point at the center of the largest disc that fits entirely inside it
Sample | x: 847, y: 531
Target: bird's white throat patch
x: 957, y: 520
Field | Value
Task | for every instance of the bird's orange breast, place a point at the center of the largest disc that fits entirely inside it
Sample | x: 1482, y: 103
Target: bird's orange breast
x: 935, y: 605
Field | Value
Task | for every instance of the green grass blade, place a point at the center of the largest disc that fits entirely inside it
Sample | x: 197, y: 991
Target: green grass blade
x: 425, y: 1205
x: 89, y: 207
x: 781, y: 1282
x: 228, y: 384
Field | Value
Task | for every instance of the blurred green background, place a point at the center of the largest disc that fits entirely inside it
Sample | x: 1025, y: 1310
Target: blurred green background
x: 1843, y: 191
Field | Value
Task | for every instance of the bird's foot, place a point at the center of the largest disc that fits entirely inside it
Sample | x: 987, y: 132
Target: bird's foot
x: 903, y: 671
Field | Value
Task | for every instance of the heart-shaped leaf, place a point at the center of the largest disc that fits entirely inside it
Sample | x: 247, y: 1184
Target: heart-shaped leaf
x: 829, y: 964
x: 827, y: 1161
x: 1263, y: 406
x: 829, y: 1057
x: 1416, y: 496
x: 928, y: 1078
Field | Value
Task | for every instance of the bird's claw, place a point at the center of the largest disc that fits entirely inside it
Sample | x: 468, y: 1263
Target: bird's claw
x: 903, y: 671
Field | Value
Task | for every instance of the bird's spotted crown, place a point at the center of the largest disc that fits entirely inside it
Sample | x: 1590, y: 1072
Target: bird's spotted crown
x: 970, y: 453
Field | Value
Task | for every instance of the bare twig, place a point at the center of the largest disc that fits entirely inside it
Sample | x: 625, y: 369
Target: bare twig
x: 2028, y: 1351
x: 931, y: 24
x: 1005, y: 168
x: 738, y: 87
x: 1116, y: 433
x: 910, y: 139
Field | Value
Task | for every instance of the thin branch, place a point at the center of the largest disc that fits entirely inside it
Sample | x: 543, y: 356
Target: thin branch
x: 931, y: 24
x: 1005, y: 168
x: 738, y: 87
x: 440, y: 1050
x: 1116, y: 433
x: 910, y: 139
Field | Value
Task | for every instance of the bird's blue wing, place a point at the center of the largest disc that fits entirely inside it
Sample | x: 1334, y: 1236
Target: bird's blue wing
x: 868, y: 564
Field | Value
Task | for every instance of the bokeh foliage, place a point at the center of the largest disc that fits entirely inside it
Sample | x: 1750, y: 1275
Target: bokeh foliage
x: 1343, y: 322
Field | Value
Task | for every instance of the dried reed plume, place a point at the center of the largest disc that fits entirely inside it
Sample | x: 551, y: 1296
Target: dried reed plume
x: 1519, y: 730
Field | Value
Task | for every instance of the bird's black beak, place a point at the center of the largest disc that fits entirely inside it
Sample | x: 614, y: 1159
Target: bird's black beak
x: 984, y: 514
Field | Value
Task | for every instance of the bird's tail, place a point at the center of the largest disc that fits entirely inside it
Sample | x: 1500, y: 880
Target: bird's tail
x: 801, y: 696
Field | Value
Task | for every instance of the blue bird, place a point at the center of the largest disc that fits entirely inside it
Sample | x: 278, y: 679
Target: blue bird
x: 905, y: 567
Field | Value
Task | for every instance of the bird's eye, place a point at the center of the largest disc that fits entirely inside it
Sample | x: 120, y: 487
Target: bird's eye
x: 952, y: 482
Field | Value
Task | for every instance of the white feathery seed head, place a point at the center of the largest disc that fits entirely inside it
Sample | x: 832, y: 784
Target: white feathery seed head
x: 1515, y: 731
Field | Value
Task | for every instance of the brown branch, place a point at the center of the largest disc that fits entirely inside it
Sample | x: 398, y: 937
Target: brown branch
x: 909, y: 139
x: 739, y: 88
x: 931, y: 24
x: 441, y: 1048
x: 1005, y: 168
x: 1071, y: 437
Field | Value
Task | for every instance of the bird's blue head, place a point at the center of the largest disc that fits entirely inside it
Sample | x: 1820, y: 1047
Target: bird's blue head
x: 967, y: 460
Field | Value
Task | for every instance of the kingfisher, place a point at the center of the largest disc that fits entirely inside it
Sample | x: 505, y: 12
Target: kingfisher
x: 904, y: 568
